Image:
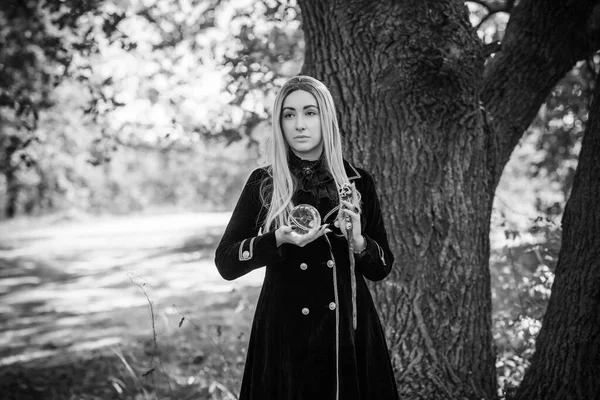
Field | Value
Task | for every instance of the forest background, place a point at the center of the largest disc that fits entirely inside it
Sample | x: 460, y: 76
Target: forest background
x: 153, y: 112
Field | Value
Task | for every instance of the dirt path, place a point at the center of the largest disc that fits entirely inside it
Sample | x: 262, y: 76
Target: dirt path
x: 70, y: 286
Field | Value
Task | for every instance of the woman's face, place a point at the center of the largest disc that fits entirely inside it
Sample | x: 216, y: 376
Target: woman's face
x: 301, y: 125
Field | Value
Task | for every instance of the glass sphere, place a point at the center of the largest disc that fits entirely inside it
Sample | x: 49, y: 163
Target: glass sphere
x: 303, y: 219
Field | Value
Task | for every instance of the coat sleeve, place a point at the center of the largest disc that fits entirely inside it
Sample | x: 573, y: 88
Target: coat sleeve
x: 375, y: 263
x: 241, y: 249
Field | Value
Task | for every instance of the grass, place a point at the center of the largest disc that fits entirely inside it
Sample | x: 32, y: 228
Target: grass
x: 120, y: 308
x: 65, y: 289
x: 202, y: 357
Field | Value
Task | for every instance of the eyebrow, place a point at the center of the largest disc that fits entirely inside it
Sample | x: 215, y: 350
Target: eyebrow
x: 305, y: 107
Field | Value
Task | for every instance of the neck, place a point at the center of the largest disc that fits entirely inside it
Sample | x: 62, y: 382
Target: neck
x: 313, y: 155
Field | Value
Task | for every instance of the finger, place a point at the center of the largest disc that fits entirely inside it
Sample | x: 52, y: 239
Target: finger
x: 352, y: 214
x: 324, y: 229
x: 311, y: 235
x: 349, y: 206
x: 321, y: 231
x: 313, y: 232
x: 354, y: 221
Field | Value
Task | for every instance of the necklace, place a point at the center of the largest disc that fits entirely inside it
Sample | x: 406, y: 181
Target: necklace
x: 307, y: 170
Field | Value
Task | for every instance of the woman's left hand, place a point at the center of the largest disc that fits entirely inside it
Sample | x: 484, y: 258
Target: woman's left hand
x: 351, y: 211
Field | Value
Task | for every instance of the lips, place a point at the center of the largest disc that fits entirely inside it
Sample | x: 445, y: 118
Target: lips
x: 302, y: 137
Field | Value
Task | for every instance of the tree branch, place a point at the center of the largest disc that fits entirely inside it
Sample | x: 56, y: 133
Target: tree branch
x: 542, y: 43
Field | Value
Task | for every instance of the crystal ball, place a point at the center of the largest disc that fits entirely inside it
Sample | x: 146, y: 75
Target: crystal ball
x: 303, y: 219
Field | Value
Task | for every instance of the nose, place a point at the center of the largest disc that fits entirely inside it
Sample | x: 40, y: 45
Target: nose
x: 300, y: 125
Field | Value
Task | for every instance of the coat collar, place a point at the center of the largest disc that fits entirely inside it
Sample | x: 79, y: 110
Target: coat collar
x: 351, y: 171
x: 297, y: 163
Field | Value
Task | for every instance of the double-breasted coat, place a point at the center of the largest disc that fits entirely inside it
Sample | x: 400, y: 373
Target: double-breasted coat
x: 302, y: 344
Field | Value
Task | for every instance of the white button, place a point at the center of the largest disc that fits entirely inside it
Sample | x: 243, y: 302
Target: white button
x: 246, y: 254
x: 303, y: 266
x: 332, y: 306
x: 330, y: 263
x: 305, y: 311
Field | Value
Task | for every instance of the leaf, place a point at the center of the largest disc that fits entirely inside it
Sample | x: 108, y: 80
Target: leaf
x: 181, y: 322
x: 199, y: 359
x: 151, y: 370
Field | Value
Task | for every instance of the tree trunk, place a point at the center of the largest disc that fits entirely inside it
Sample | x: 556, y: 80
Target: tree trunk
x: 406, y: 77
x: 543, y: 41
x: 566, y: 364
x: 12, y: 193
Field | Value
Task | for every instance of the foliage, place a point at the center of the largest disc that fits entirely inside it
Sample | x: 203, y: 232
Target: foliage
x: 160, y: 122
x: 562, y: 119
x: 163, y: 103
x: 268, y: 49
x: 45, y: 43
x: 201, y: 361
x: 522, y: 271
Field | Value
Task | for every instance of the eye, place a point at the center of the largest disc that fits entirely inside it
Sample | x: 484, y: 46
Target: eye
x: 311, y: 112
x: 288, y: 115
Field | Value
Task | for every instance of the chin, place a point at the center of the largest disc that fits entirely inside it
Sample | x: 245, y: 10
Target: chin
x: 305, y: 149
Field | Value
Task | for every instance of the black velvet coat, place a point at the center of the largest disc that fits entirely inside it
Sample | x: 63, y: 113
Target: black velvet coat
x: 302, y: 345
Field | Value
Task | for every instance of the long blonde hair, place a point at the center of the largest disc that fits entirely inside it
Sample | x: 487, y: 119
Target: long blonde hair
x: 278, y: 193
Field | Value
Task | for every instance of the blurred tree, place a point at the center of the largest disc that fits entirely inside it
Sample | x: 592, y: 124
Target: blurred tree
x: 40, y: 41
x: 169, y: 103
x: 257, y: 44
x: 435, y: 119
x: 269, y: 49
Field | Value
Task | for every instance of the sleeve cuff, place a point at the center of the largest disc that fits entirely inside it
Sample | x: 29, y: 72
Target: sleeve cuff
x: 260, y: 250
x: 371, y: 261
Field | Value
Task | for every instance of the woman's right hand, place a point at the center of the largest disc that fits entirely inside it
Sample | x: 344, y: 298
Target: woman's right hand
x: 284, y: 234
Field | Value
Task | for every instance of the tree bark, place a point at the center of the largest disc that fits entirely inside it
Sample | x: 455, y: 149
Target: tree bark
x: 543, y: 41
x: 566, y: 364
x: 406, y: 77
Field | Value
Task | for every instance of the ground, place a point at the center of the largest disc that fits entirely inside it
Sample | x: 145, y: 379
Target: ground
x: 75, y: 315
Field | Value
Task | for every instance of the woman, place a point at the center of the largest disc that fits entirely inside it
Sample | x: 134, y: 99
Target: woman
x: 305, y: 343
